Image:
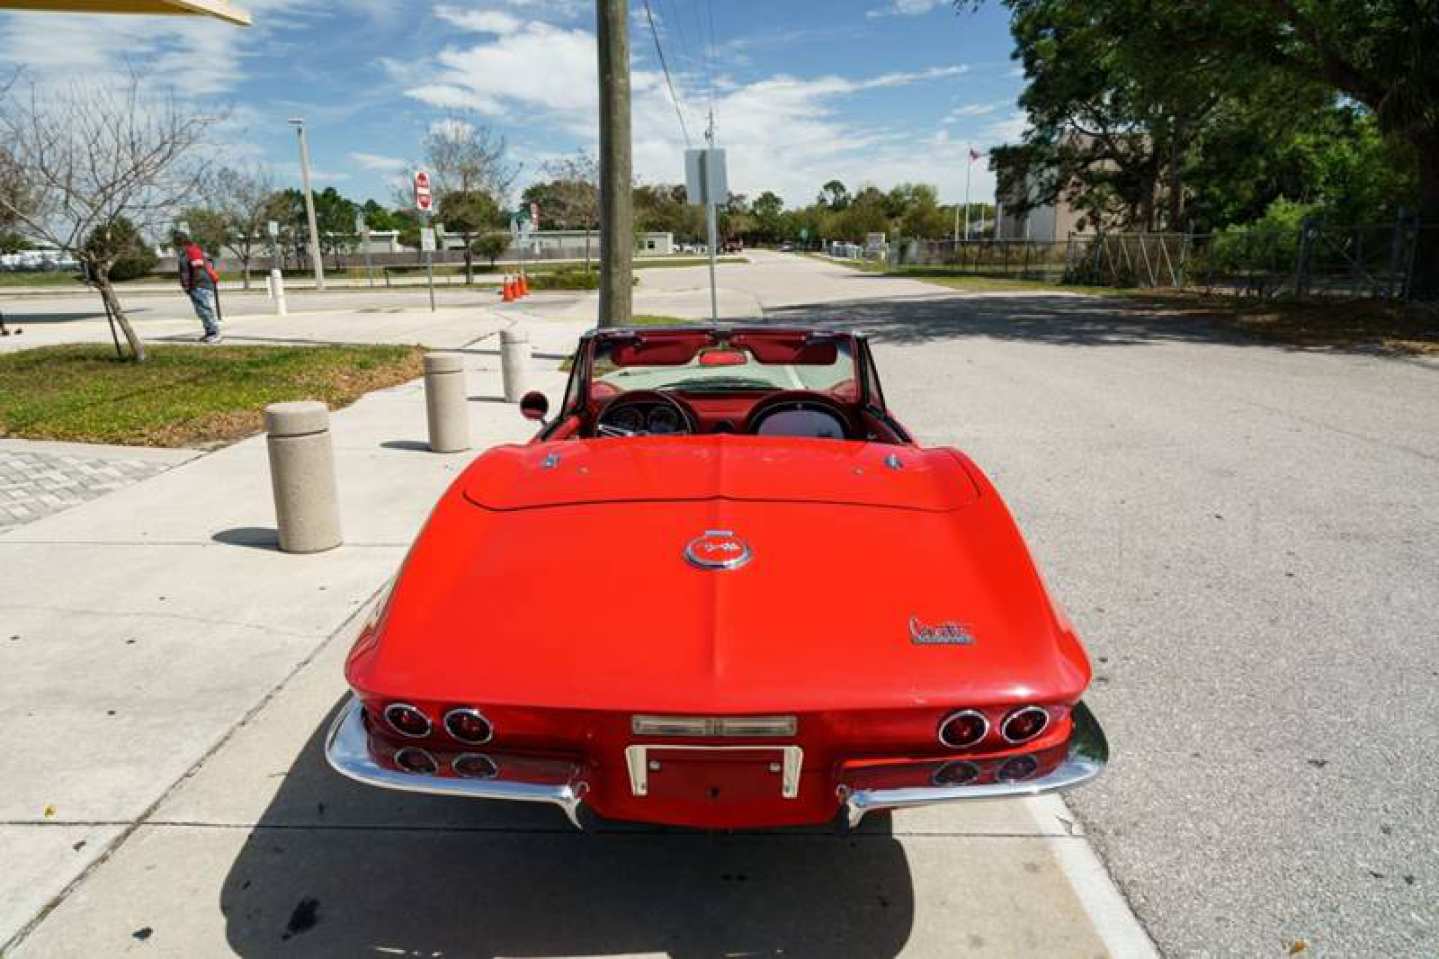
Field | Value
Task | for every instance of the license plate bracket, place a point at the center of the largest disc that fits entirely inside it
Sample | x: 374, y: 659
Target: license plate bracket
x: 736, y: 772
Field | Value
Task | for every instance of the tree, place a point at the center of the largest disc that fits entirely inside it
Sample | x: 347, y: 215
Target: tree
x: 469, y: 214
x: 243, y: 197
x: 208, y: 228
x: 90, y: 154
x: 119, y: 243
x: 570, y: 199
x: 491, y: 246
x: 468, y: 160
x: 335, y: 219
x: 768, y: 210
x: 833, y: 195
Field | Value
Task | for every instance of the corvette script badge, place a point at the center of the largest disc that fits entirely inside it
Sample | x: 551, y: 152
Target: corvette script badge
x: 717, y: 549
x: 940, y: 634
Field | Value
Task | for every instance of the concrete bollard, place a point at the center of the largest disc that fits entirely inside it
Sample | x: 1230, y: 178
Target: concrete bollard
x: 277, y: 283
x: 514, y: 362
x: 447, y: 402
x: 302, y: 475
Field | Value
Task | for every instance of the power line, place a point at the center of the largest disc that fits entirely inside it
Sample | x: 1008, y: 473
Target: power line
x: 649, y: 15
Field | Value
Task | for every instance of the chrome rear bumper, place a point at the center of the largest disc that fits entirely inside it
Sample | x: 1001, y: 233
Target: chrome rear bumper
x: 1087, y: 756
x: 347, y: 748
x: 348, y: 752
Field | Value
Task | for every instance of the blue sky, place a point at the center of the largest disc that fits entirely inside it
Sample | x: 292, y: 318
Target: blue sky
x: 869, y: 91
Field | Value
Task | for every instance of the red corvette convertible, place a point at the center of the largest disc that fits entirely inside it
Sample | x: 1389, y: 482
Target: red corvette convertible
x: 722, y: 588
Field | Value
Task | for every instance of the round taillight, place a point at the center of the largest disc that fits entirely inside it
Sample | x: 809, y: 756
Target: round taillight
x: 1024, y: 724
x: 407, y: 720
x: 475, y: 766
x: 1020, y: 767
x: 956, y: 773
x: 964, y: 728
x: 468, y: 726
x: 412, y: 759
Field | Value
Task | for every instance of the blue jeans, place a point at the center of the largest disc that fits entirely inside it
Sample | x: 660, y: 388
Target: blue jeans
x: 203, y: 299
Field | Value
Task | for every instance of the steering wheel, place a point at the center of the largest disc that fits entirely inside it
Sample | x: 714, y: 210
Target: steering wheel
x: 639, y: 412
x: 799, y: 400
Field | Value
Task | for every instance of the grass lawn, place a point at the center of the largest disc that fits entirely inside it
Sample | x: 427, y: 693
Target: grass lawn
x: 657, y: 319
x: 182, y: 395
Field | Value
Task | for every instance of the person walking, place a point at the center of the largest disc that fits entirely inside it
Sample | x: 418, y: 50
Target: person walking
x: 198, y: 279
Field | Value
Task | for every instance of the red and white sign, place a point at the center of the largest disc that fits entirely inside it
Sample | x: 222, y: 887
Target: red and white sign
x: 424, y: 201
x: 534, y: 216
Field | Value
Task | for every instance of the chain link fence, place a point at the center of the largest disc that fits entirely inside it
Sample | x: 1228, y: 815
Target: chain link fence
x: 1318, y: 259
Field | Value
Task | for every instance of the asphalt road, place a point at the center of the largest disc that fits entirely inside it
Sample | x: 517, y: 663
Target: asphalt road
x: 1247, y: 536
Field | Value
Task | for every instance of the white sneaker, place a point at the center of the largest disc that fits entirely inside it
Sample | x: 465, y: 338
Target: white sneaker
x: 211, y: 338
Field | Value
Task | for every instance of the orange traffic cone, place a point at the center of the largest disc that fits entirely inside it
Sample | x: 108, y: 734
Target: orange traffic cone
x: 524, y: 285
x: 508, y: 295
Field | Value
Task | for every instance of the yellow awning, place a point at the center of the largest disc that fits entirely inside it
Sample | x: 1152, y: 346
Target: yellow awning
x: 221, y: 9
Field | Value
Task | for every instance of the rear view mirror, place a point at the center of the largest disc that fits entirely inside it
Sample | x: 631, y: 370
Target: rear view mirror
x: 534, y: 405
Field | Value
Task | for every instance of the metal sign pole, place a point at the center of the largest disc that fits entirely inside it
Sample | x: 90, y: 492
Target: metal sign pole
x: 430, y: 263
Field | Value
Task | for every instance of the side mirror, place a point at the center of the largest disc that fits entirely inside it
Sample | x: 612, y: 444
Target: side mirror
x: 534, y: 405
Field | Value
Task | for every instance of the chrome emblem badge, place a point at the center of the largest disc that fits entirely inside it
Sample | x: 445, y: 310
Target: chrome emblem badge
x: 717, y: 549
x: 940, y: 634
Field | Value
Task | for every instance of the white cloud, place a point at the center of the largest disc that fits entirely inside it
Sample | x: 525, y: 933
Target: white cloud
x: 479, y: 21
x: 1008, y: 130
x: 379, y: 162
x: 971, y: 110
x: 906, y: 8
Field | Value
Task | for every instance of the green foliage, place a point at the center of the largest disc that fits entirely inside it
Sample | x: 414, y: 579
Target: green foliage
x: 118, y: 249
x: 565, y: 280
x: 1270, y: 243
x: 491, y: 245
x: 11, y: 242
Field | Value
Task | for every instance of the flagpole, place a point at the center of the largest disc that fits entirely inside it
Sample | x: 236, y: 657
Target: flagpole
x: 968, y: 169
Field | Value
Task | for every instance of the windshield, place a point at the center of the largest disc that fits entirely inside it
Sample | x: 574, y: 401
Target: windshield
x: 699, y: 363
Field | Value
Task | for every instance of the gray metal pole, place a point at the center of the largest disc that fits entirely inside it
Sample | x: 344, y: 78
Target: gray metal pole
x: 430, y: 264
x: 617, y: 218
x: 315, y: 257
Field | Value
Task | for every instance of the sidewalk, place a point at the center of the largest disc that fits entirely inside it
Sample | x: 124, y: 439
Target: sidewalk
x: 166, y: 677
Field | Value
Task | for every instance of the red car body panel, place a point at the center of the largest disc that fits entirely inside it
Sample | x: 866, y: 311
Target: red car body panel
x: 550, y: 590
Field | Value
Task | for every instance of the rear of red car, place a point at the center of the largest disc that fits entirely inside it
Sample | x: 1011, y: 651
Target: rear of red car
x: 734, y: 653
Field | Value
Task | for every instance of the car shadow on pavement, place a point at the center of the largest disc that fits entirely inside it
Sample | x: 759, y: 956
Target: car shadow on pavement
x: 1036, y: 318
x: 335, y: 868
x: 407, y: 446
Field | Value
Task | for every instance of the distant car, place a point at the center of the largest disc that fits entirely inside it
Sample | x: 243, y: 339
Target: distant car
x: 786, y: 247
x: 721, y: 588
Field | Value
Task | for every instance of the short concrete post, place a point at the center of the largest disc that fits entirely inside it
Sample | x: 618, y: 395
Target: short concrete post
x: 447, y: 402
x: 277, y: 283
x: 514, y: 362
x: 302, y: 475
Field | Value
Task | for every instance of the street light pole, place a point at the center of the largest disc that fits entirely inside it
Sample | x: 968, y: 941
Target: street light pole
x: 299, y: 124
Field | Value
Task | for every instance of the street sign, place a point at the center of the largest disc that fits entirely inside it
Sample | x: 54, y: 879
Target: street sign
x: 424, y: 202
x: 274, y: 229
x: 535, y: 215
x: 427, y: 239
x: 361, y: 227
x: 705, y: 179
x: 514, y: 226
x: 804, y: 233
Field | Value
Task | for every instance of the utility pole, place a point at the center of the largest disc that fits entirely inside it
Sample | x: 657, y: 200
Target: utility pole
x: 617, y: 217
x: 711, y: 217
x: 968, y: 168
x: 299, y: 124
